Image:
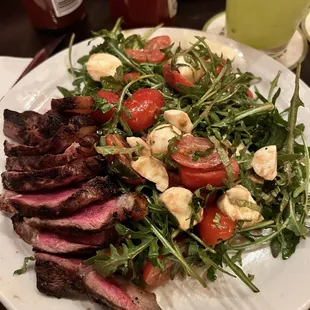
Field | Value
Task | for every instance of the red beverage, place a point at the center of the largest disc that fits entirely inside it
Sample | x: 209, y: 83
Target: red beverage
x: 141, y: 13
x: 54, y: 14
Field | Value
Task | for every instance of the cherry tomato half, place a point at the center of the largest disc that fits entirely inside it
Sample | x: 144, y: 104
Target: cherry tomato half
x: 158, y: 43
x: 145, y: 56
x: 174, y: 77
x: 145, y: 104
x: 110, y: 97
x: 130, y: 76
x: 186, y: 149
x: 196, y: 178
x: 174, y: 179
x: 250, y: 94
x: 212, y: 233
x: 151, y: 53
x: 153, y: 276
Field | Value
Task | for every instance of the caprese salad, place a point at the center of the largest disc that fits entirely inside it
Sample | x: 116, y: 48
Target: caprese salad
x: 219, y: 165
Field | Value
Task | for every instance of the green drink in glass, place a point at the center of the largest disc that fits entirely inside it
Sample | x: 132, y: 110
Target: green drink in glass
x: 264, y: 24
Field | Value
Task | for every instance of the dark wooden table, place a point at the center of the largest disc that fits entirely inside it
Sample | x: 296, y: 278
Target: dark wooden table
x: 20, y: 39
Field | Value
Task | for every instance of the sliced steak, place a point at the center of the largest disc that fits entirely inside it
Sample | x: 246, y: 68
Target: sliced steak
x: 97, y: 216
x: 22, y: 127
x: 46, y: 241
x: 102, y: 238
x: 63, y: 138
x: 30, y: 127
x: 74, y: 105
x: 60, y: 202
x: 51, y: 122
x: 118, y: 294
x: 57, y: 276
x: 30, y: 163
x: 76, y: 171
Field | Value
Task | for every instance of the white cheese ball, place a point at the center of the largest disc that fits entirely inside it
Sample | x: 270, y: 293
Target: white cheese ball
x: 153, y: 170
x: 102, y: 65
x: 226, y: 203
x: 178, y: 202
x: 179, y: 119
x: 159, y: 138
x: 265, y: 162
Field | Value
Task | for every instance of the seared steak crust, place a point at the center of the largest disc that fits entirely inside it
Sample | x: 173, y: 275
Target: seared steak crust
x: 74, y: 172
x: 98, y: 216
x: 59, y: 202
x: 74, y: 105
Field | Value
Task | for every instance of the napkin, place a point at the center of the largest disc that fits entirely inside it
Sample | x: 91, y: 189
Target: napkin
x: 10, y: 70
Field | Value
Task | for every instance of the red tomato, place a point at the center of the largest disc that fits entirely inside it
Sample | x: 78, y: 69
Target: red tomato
x: 188, y: 145
x: 196, y: 178
x: 130, y: 76
x: 173, y: 77
x: 153, y: 56
x: 209, y: 232
x: 219, y: 68
x: 145, y: 104
x: 152, y: 276
x: 250, y: 94
x: 158, y: 43
x: 117, y: 140
x: 174, y: 179
x: 110, y: 97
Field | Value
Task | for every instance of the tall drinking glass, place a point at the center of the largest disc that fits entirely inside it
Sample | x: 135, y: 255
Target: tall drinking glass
x: 264, y: 24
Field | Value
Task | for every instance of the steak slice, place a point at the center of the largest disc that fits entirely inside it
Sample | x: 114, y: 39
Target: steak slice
x: 60, y: 202
x: 78, y: 128
x: 30, y: 127
x: 18, y: 125
x: 74, y: 105
x: 59, y: 277
x: 56, y: 276
x: 46, y: 241
x: 30, y: 163
x: 116, y: 293
x: 102, y: 238
x: 97, y: 216
x: 74, y: 172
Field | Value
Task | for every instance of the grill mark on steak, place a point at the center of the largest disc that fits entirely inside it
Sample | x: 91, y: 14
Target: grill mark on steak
x: 30, y: 127
x: 98, y: 216
x: 57, y: 144
x: 30, y: 163
x: 74, y: 172
x: 60, y: 202
x: 58, y: 276
x: 74, y: 105
x: 46, y: 241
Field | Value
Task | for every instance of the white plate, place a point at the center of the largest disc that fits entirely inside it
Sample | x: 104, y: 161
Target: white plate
x: 283, y: 284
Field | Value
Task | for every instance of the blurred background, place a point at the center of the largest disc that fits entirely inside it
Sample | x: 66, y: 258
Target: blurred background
x: 19, y: 38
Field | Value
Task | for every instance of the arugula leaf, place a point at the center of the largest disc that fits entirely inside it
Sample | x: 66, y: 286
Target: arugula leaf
x: 64, y: 91
x: 275, y: 246
x: 216, y: 221
x: 107, y: 264
x: 113, y: 150
x: 24, y: 268
x: 289, y: 242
